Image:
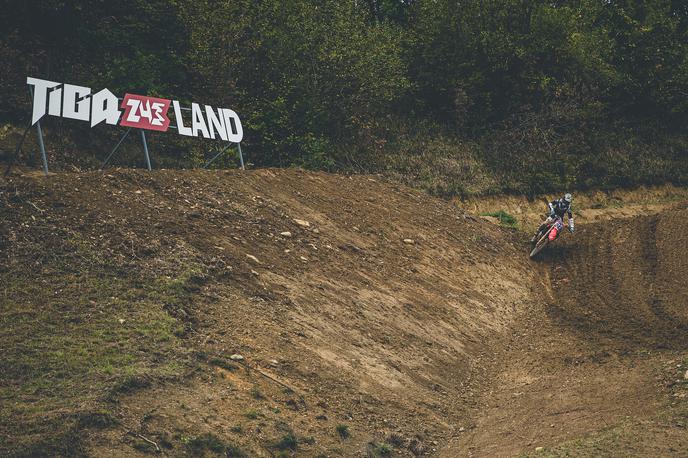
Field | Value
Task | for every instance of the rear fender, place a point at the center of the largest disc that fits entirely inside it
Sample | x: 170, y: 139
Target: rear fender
x: 553, y: 234
x: 557, y: 227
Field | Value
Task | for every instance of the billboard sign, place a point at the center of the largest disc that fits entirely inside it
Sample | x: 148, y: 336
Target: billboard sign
x: 137, y: 111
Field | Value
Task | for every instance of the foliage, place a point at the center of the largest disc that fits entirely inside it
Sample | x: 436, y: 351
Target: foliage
x: 549, y: 94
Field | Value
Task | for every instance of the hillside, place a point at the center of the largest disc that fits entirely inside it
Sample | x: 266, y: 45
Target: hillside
x: 135, y: 278
x: 287, y: 312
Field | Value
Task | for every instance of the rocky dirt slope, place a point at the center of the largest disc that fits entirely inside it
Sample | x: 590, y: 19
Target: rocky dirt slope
x: 355, y: 304
x: 289, y: 313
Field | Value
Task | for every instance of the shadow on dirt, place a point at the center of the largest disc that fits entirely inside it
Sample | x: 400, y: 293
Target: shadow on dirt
x: 552, y: 253
x: 620, y: 283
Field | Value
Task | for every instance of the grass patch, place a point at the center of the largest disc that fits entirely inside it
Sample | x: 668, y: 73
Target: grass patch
x: 77, y: 333
x: 343, y: 431
x: 443, y: 166
x: 504, y: 218
x: 379, y: 449
x: 98, y: 420
x: 199, y: 444
x: 396, y: 440
x: 288, y: 442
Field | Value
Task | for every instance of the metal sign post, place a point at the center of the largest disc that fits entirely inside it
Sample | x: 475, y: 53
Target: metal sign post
x: 145, y: 149
x: 42, y: 145
x: 217, y: 155
x: 44, y: 157
x: 107, y: 159
x: 241, y: 156
x: 17, y: 151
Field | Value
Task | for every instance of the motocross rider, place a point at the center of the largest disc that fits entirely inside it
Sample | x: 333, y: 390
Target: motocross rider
x: 557, y: 208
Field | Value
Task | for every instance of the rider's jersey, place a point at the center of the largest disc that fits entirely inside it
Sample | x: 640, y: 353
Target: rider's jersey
x: 559, y: 207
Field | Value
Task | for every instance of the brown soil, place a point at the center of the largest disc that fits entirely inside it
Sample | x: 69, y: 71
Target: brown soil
x: 414, y: 325
x: 600, y: 353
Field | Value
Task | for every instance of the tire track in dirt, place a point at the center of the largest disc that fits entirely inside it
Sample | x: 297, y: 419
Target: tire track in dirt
x: 626, y: 272
x: 589, y: 355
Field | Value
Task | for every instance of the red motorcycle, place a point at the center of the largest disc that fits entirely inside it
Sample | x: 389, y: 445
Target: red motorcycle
x: 549, y: 234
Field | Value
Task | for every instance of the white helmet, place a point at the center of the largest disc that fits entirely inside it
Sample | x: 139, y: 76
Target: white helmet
x: 568, y: 197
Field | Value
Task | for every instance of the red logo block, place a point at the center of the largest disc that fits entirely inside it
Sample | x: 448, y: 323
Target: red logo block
x: 145, y: 112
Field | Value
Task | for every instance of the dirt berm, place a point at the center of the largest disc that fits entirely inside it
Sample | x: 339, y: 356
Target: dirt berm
x: 283, y: 312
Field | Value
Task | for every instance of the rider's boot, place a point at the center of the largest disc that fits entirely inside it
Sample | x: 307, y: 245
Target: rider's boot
x: 538, y: 233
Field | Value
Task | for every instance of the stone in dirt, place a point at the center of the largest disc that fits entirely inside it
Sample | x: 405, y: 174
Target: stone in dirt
x: 285, y: 234
x: 236, y: 357
x: 409, y: 241
x: 302, y: 222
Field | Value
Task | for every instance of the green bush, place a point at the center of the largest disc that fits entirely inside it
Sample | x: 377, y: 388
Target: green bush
x: 504, y: 218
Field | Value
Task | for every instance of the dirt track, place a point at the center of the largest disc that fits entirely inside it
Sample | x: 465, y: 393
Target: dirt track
x: 595, y: 360
x: 623, y: 282
x: 389, y: 312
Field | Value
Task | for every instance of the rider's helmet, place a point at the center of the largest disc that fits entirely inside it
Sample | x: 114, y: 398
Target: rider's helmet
x: 568, y: 197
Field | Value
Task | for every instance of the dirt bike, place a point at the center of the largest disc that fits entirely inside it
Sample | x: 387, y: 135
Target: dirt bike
x: 550, y: 234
